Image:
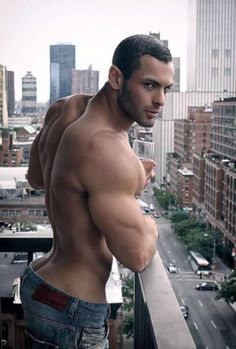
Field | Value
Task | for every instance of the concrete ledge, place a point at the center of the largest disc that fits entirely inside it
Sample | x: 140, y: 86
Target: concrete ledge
x: 168, y: 324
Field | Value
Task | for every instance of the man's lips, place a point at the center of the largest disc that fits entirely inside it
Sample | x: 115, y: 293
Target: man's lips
x: 152, y: 113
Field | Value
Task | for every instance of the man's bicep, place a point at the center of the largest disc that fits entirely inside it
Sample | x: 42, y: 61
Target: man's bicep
x: 120, y: 220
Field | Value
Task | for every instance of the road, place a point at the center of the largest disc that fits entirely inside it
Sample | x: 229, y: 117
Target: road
x: 212, y: 323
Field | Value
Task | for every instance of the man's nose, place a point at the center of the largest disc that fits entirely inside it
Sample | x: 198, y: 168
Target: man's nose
x: 159, y: 97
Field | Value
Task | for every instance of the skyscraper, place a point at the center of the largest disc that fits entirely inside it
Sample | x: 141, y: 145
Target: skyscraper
x: 62, y: 61
x: 10, y: 92
x: 29, y: 94
x: 3, y: 97
x: 211, y: 45
x: 85, y: 81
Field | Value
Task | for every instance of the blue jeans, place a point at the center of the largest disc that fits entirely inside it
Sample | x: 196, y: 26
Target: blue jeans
x: 57, y: 320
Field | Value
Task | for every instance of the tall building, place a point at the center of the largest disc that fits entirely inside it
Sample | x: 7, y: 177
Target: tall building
x: 10, y: 93
x: 62, y: 62
x: 85, y: 81
x: 176, y: 107
x: 211, y: 64
x: 29, y: 94
x: 176, y: 62
x: 3, y: 97
x: 214, y: 195
x: 10, y: 156
x: 223, y: 133
x: 190, y: 135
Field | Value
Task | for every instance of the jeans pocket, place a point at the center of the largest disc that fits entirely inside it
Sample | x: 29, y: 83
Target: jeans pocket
x: 33, y: 343
x: 94, y: 337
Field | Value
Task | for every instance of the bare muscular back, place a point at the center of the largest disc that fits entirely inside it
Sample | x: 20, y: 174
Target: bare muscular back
x: 91, y: 177
x: 82, y: 261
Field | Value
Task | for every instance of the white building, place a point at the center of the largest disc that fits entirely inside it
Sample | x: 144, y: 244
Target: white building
x: 211, y: 56
x: 29, y: 94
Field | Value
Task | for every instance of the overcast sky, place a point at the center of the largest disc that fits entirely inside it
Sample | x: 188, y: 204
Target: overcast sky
x: 28, y: 27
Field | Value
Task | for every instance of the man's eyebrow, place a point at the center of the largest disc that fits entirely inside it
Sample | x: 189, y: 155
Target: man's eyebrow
x: 155, y: 82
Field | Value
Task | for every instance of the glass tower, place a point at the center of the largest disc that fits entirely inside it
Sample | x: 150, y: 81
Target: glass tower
x: 62, y: 61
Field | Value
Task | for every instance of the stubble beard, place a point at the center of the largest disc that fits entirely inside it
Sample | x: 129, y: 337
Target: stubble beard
x: 129, y: 108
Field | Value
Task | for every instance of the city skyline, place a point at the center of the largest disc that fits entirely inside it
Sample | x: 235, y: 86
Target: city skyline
x: 29, y: 28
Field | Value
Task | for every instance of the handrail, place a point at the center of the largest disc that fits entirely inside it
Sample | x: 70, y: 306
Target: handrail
x: 164, y: 320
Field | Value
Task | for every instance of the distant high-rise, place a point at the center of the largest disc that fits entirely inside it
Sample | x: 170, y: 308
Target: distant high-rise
x: 62, y: 62
x: 10, y: 92
x: 211, y: 45
x: 85, y: 81
x: 176, y: 62
x: 29, y: 94
x: 3, y: 97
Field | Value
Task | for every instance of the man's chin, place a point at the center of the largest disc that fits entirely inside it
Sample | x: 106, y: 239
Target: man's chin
x: 149, y: 123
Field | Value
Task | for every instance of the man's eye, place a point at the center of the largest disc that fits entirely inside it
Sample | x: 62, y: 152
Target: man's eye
x: 149, y: 85
x: 167, y: 89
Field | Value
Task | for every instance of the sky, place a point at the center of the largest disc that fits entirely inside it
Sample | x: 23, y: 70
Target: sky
x: 95, y: 27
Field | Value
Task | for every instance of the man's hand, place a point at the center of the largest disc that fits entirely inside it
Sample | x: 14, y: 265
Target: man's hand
x: 148, y: 165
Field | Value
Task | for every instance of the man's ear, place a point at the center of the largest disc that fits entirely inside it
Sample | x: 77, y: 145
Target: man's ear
x: 115, y: 77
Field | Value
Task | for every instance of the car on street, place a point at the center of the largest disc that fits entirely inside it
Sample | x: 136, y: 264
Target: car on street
x: 20, y: 257
x: 171, y: 268
x: 156, y: 215
x: 184, y: 310
x: 207, y: 286
x: 151, y: 207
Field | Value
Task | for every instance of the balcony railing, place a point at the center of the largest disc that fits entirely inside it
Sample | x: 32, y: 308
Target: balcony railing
x: 158, y: 320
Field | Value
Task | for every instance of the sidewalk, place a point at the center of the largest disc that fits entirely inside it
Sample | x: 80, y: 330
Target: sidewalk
x: 221, y: 271
x: 220, y: 274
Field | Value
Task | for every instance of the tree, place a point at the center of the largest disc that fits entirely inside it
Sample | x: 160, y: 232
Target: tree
x: 164, y: 198
x: 178, y: 217
x: 227, y: 290
x: 128, y: 305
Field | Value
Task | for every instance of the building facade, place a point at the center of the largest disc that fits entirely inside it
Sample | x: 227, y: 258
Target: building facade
x: 29, y: 95
x: 3, y: 97
x: 85, y: 81
x: 211, y: 64
x: 216, y: 173
x: 10, y: 93
x: 62, y: 62
x: 190, y: 135
x: 10, y: 156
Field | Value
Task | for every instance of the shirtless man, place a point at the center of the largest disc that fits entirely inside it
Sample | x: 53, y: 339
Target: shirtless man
x: 92, y: 187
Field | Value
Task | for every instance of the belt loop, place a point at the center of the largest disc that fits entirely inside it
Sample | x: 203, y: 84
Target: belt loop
x: 73, y: 307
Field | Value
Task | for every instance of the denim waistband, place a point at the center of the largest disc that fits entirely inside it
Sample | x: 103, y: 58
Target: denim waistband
x: 34, y: 279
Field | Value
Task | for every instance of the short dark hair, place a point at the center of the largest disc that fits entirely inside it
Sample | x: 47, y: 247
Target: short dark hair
x: 129, y: 51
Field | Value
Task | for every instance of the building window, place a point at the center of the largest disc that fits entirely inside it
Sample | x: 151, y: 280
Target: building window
x: 215, y: 53
x: 227, y: 52
x: 214, y: 72
x: 227, y: 71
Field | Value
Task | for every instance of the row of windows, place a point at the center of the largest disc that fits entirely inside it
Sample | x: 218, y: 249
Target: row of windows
x: 28, y: 98
x: 18, y: 213
x: 215, y: 53
x: 29, y: 89
x: 215, y: 72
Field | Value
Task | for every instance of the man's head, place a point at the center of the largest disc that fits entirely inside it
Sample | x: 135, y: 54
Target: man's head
x: 141, y: 74
x: 128, y: 53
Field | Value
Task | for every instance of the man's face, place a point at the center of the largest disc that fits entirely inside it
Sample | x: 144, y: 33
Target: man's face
x: 143, y: 95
